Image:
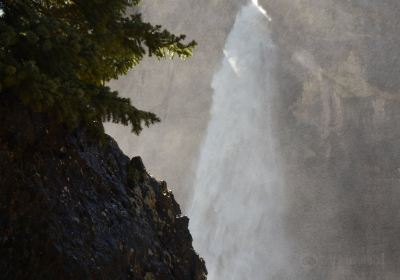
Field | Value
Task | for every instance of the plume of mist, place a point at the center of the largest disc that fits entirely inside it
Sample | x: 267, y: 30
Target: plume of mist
x: 237, y: 205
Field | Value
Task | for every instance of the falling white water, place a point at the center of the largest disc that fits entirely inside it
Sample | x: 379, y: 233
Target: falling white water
x: 237, y: 204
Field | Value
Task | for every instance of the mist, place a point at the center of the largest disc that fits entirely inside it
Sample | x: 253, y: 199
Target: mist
x: 238, y: 185
x: 280, y: 136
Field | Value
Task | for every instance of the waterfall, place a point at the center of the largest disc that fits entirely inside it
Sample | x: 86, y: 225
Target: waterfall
x: 237, y: 202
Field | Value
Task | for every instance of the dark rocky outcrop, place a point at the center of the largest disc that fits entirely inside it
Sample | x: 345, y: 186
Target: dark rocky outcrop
x: 73, y: 207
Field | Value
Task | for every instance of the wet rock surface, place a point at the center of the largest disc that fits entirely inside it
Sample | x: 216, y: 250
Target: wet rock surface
x: 78, y: 208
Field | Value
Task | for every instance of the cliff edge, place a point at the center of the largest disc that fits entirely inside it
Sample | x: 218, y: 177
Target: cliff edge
x: 75, y: 207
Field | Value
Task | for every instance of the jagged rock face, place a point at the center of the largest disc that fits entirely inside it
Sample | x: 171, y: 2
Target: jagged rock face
x: 78, y: 208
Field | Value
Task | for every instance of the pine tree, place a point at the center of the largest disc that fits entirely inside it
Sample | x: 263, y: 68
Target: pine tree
x: 56, y: 57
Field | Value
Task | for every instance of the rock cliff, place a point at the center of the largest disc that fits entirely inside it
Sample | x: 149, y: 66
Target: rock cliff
x: 75, y: 207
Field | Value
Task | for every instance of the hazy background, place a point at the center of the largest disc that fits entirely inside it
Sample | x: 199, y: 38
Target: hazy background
x: 335, y: 122
x: 178, y: 91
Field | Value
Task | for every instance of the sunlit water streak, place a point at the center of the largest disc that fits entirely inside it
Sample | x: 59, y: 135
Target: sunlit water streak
x: 237, y: 206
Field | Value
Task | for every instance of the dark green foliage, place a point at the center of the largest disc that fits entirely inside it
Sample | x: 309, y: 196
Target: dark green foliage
x: 57, y: 55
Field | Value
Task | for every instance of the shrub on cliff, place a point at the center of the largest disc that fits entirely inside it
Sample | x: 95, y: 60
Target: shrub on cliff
x: 57, y: 55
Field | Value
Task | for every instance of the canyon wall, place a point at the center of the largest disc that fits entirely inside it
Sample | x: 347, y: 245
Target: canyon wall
x: 338, y: 128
